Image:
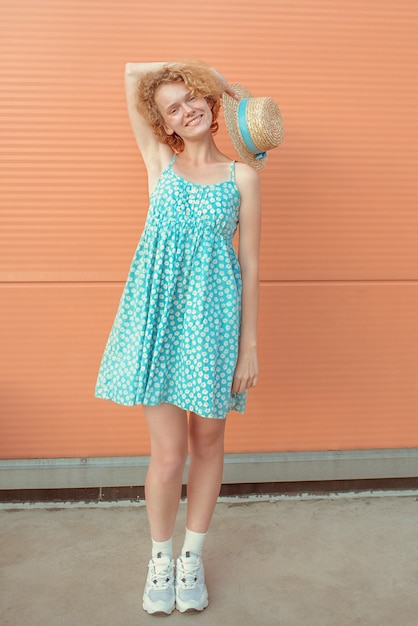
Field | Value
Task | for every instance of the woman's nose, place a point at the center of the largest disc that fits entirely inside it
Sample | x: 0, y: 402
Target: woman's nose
x: 188, y: 109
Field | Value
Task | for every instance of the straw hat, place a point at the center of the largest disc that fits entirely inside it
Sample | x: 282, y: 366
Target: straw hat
x: 255, y: 125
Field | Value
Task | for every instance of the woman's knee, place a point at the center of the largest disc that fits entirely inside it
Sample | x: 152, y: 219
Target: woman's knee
x: 168, y: 466
x: 168, y: 434
x: 206, y: 438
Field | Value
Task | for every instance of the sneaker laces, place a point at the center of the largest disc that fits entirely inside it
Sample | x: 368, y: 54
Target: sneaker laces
x: 162, y: 573
x: 189, y: 570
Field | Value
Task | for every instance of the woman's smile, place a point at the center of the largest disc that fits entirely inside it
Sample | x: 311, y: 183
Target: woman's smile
x: 195, y: 120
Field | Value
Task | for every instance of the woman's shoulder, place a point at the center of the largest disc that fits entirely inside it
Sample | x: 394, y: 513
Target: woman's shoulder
x: 245, y: 174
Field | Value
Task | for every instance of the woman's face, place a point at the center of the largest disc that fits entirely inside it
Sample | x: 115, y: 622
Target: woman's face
x: 187, y: 115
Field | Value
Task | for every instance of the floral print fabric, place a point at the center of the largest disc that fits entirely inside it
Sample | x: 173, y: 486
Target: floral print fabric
x: 176, y: 333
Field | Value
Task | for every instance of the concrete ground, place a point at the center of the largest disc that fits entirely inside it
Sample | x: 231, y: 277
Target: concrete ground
x: 333, y: 561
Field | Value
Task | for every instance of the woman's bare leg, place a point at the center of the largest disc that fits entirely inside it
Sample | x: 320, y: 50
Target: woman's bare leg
x: 206, y: 440
x: 167, y: 426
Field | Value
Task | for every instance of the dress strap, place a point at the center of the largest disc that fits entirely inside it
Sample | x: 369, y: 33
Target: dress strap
x: 170, y: 165
x: 232, y: 171
x: 173, y: 158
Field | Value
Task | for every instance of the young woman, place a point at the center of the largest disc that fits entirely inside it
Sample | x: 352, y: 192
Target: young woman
x: 184, y: 341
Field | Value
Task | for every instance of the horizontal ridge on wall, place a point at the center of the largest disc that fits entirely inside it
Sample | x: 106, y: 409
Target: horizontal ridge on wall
x: 239, y: 468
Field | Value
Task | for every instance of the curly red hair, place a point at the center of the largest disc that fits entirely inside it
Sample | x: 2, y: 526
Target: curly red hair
x: 201, y: 81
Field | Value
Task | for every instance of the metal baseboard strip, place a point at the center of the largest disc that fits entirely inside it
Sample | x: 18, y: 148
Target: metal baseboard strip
x: 239, y: 468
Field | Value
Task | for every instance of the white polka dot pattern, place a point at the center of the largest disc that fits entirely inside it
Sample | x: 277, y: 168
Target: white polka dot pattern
x: 176, y: 332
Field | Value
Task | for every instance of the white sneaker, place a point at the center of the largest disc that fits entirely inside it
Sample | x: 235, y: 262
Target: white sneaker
x: 159, y: 594
x: 191, y: 592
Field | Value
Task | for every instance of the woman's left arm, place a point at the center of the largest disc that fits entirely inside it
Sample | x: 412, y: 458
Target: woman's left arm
x: 246, y: 371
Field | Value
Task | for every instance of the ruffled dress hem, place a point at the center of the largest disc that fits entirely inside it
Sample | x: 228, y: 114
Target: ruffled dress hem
x: 238, y: 407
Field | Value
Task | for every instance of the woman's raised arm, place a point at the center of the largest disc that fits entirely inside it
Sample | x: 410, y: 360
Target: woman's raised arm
x: 154, y: 153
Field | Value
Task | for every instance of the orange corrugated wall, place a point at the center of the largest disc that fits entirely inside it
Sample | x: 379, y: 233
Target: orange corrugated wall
x: 339, y: 268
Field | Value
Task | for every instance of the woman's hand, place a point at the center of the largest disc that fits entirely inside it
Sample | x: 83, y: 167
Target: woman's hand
x: 228, y: 89
x: 225, y: 85
x: 246, y: 370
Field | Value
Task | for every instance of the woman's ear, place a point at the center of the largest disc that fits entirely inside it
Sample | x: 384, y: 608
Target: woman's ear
x: 168, y: 130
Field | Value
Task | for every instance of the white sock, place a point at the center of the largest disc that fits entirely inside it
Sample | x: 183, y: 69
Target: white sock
x: 193, y: 542
x: 165, y: 547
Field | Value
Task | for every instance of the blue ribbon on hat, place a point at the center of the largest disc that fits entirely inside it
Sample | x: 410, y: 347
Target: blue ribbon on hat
x: 245, y: 133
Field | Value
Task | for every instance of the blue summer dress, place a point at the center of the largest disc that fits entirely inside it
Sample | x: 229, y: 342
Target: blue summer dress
x: 175, y: 336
